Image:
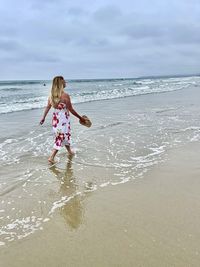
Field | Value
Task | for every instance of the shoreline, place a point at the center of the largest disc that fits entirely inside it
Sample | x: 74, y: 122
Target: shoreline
x: 84, y: 212
x: 121, y: 98
x: 90, y: 108
x: 153, y: 221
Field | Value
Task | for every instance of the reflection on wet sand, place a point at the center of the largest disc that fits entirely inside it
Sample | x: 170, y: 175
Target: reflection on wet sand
x: 71, y: 211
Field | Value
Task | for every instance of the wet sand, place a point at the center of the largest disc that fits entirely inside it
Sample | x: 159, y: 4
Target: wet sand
x: 130, y: 196
x: 152, y: 221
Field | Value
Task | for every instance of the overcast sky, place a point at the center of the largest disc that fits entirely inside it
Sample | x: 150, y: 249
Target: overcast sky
x: 98, y: 39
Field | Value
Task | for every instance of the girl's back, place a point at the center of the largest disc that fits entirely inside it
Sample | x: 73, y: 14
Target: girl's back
x: 65, y: 100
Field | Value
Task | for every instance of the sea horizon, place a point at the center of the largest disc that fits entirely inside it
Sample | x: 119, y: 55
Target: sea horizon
x: 112, y: 78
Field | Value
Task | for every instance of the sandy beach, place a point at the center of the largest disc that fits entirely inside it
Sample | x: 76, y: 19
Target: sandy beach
x: 152, y: 221
x: 129, y: 197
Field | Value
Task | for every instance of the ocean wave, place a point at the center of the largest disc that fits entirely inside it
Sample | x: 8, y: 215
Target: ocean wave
x: 13, y: 89
x: 35, y: 97
x: 15, y: 108
x: 36, y: 103
x: 10, y: 83
x: 99, y: 80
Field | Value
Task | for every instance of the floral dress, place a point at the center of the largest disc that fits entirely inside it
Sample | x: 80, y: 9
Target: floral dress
x: 61, y: 126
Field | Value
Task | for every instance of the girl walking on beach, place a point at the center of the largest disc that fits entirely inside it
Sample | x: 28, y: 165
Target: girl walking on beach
x: 61, y: 103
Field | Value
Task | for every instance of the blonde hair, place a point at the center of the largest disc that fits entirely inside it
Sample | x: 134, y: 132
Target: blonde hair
x: 56, y: 90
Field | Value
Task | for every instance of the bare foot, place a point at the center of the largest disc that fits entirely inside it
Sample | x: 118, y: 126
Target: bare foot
x: 51, y: 161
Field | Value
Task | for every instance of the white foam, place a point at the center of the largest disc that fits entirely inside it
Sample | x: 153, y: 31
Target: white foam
x: 23, y: 227
x: 104, y: 184
x: 60, y: 203
x: 195, y: 138
x: 191, y: 128
x: 124, y: 180
x: 46, y: 220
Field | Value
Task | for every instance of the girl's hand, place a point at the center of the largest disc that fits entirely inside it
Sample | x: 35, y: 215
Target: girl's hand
x: 82, y: 120
x: 42, y: 121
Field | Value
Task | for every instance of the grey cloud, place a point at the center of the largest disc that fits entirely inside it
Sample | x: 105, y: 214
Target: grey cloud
x: 30, y: 57
x: 140, y: 31
x: 100, y: 39
x: 9, y: 45
x: 107, y: 14
x: 186, y: 33
x: 77, y: 12
x: 39, y: 57
x: 48, y: 4
x: 7, y: 31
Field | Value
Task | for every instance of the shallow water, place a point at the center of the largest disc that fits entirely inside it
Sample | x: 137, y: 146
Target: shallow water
x: 128, y: 137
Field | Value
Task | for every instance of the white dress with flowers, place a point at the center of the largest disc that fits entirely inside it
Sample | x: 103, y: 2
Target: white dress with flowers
x: 61, y: 126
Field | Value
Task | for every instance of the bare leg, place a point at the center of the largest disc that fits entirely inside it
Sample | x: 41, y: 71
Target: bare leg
x: 51, y: 158
x: 69, y: 150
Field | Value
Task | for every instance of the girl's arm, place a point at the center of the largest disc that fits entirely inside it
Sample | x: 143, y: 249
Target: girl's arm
x: 71, y: 109
x: 48, y: 107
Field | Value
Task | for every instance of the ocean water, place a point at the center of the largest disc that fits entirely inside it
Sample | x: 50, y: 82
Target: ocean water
x: 26, y: 95
x: 135, y: 123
